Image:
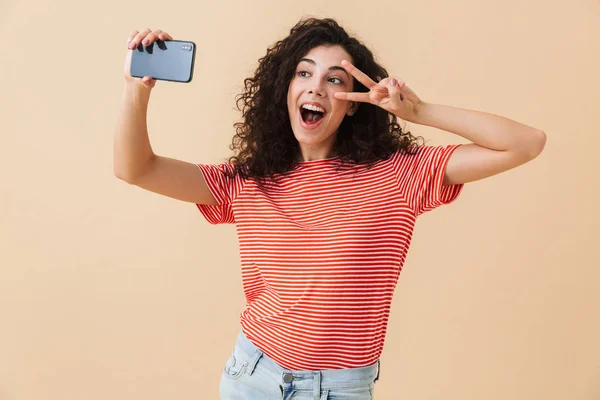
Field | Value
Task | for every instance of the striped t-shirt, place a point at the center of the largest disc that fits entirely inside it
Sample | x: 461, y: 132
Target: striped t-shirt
x: 321, y: 251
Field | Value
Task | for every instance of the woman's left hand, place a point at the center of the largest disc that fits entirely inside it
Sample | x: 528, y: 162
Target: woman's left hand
x: 397, y: 99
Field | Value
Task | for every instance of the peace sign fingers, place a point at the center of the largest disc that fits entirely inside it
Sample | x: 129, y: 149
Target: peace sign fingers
x: 359, y: 75
x: 364, y: 97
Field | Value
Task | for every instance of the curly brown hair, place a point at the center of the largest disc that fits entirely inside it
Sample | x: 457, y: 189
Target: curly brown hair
x: 265, y: 139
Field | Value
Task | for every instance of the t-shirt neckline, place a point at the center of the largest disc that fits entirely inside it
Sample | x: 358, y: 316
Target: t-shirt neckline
x: 322, y: 160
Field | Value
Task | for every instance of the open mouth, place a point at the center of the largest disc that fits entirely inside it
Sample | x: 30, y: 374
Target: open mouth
x: 310, y: 117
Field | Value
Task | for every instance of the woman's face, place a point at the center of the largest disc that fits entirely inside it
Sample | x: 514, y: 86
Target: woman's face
x: 318, y: 75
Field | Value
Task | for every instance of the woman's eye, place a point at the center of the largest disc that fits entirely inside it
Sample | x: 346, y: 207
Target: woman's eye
x: 305, y: 72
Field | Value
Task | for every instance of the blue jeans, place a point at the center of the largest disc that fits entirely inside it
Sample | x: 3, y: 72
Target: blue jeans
x: 249, y: 374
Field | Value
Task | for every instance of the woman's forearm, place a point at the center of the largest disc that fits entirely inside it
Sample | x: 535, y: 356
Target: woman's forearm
x: 484, y: 129
x: 132, y: 150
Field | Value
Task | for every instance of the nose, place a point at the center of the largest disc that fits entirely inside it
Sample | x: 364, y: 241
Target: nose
x: 317, y: 88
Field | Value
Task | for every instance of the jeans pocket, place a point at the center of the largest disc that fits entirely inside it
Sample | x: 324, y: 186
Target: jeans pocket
x: 236, y: 365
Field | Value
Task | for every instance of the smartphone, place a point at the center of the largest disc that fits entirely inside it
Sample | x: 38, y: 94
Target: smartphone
x: 165, y: 60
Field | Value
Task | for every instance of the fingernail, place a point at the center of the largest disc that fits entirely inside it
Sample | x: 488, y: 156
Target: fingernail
x: 132, y: 45
x: 393, y: 82
x: 145, y: 42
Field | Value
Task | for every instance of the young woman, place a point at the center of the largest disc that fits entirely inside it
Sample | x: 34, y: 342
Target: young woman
x: 324, y: 190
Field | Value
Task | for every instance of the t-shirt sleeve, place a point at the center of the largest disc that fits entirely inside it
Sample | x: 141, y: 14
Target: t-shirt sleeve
x: 224, y: 189
x: 421, y: 177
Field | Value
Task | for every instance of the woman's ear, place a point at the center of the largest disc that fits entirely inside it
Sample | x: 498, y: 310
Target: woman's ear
x: 353, y: 108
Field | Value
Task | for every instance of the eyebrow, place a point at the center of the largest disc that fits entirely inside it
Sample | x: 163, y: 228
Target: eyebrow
x: 334, y: 68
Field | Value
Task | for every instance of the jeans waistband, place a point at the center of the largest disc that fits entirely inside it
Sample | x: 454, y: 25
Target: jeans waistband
x: 333, y: 377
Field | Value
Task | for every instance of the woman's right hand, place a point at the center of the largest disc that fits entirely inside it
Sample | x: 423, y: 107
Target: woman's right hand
x: 133, y: 42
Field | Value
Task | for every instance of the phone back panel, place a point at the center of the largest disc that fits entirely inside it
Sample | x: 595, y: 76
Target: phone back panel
x: 167, y: 60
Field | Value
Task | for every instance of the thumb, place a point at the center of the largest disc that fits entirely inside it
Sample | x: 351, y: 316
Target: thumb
x: 148, y: 81
x: 394, y: 91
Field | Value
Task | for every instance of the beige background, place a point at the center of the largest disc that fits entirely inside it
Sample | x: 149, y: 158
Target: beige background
x: 108, y: 291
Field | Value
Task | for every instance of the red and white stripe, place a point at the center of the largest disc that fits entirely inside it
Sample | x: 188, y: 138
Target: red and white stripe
x: 321, y: 251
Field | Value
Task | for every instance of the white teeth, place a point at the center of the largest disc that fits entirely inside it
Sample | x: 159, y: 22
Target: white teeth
x: 313, y: 108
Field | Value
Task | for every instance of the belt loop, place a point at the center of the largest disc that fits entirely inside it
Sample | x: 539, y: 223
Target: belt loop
x: 317, y: 385
x: 254, y: 361
x: 378, y: 369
